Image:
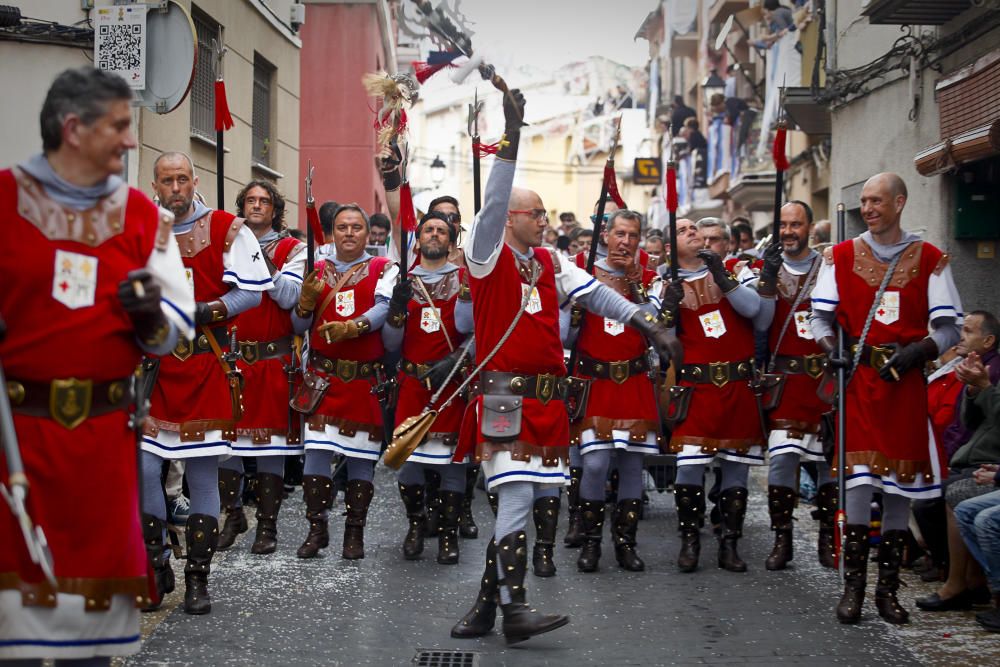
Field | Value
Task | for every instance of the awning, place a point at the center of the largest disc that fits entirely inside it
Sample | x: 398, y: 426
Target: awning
x: 976, y: 144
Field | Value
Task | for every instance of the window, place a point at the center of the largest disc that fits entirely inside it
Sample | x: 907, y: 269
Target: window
x: 263, y: 141
x: 202, y: 88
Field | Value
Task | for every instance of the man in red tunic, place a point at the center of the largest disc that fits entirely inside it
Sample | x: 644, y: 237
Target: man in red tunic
x: 343, y: 304
x: 91, y: 280
x: 889, y: 449
x: 621, y: 417
x: 715, y: 313
x: 797, y: 359
x: 428, y: 322
x: 267, y: 344
x: 517, y: 422
x: 196, y: 403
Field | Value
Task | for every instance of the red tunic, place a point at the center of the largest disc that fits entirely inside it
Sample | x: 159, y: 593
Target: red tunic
x: 630, y: 405
x: 800, y: 408
x: 533, y: 348
x: 424, y: 343
x: 265, y: 391
x: 197, y: 388
x: 718, y: 417
x: 351, y: 406
x: 880, y: 434
x: 84, y: 486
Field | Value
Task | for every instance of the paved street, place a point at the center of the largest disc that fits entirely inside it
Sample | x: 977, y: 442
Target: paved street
x: 280, y: 610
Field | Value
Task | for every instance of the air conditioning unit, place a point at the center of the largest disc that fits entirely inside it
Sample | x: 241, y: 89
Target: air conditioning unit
x: 298, y: 15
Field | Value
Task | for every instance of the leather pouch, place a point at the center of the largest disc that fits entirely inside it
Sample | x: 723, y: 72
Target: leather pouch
x: 678, y: 402
x: 501, y: 421
x: 772, y: 386
x: 577, y: 393
x: 309, y: 394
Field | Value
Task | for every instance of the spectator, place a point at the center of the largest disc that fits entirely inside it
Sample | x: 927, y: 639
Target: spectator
x: 741, y: 240
x: 623, y: 99
x: 379, y: 227
x: 567, y: 223
x: 655, y: 248
x: 326, y: 215
x: 820, y: 234
x: 779, y: 20
x: 551, y: 237
x: 680, y: 113
x: 580, y: 240
x: 715, y: 234
x: 979, y: 522
x: 978, y: 372
x: 563, y: 246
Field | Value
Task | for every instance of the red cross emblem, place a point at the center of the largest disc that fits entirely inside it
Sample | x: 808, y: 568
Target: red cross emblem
x: 64, y: 286
x: 881, y: 311
x: 501, y: 423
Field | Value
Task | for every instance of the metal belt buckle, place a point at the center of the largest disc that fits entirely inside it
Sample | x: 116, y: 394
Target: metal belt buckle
x: 545, y: 387
x: 69, y: 401
x: 879, y: 356
x: 814, y: 365
x: 347, y: 369
x: 718, y: 373
x: 618, y: 371
x: 250, y: 351
x: 183, y: 349
x: 15, y: 392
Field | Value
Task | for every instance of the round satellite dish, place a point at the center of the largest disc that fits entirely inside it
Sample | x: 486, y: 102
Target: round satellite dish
x: 721, y: 39
x: 171, y: 53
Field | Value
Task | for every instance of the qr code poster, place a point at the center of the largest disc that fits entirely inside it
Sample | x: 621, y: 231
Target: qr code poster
x: 120, y: 42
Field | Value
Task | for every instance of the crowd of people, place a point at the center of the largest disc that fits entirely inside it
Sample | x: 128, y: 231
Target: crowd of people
x: 511, y: 357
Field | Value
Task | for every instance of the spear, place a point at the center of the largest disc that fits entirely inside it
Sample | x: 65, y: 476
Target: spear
x: 841, y: 515
x: 780, y: 166
x: 223, y: 121
x: 474, y: 110
x: 407, y: 216
x: 314, y: 229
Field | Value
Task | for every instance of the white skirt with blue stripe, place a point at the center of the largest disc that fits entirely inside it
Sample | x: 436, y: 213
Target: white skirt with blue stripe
x: 589, y: 442
x: 920, y: 488
x: 168, y: 445
x: 501, y: 469
x: 331, y: 439
x: 694, y: 455
x: 244, y: 446
x: 809, y: 447
x: 67, y: 631
x: 432, y: 452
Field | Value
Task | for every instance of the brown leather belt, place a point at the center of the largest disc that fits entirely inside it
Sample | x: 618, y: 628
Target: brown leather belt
x: 874, y: 356
x: 412, y: 369
x: 345, y: 369
x: 251, y: 351
x: 543, y: 387
x: 619, y: 371
x: 719, y: 373
x: 185, y: 348
x: 69, y: 401
x: 810, y: 364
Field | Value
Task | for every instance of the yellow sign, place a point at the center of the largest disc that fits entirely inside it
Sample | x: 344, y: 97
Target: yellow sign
x: 647, y: 171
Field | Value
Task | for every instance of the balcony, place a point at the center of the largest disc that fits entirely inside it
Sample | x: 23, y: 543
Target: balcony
x: 914, y: 12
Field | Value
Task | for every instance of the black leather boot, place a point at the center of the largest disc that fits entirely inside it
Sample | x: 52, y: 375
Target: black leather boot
x: 592, y: 514
x: 152, y: 534
x: 733, y: 506
x: 318, y: 492
x: 623, y: 532
x: 494, y: 501
x: 357, y: 499
x: 270, y: 489
x: 546, y: 516
x: 467, y: 527
x: 236, y: 519
x: 780, y: 504
x: 519, y: 620
x: 483, y: 615
x: 826, y: 514
x: 690, y: 501
x: 890, y: 556
x: 451, y: 509
x: 855, y: 557
x: 201, y: 536
x: 413, y: 501
x: 574, y: 532
x: 432, y: 499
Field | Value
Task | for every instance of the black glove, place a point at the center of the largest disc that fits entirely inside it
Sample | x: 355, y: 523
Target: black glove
x: 139, y: 295
x: 768, y: 283
x: 392, y: 178
x: 836, y: 360
x: 671, y: 302
x: 908, y: 357
x: 210, y: 311
x: 398, y: 304
x: 665, y: 343
x: 513, y: 117
x: 723, y: 278
x: 441, y: 369
x: 3, y: 329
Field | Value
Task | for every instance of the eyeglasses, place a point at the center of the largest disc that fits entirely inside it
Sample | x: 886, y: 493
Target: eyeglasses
x: 593, y: 218
x: 535, y: 213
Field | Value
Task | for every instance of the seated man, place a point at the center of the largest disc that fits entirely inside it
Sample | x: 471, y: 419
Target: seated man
x: 979, y: 522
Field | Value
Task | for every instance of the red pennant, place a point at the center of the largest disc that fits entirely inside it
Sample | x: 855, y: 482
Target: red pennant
x: 423, y: 71
x: 312, y: 219
x: 223, y: 119
x: 407, y: 216
x: 612, y: 183
x: 671, y: 187
x: 780, y: 159
x: 482, y: 150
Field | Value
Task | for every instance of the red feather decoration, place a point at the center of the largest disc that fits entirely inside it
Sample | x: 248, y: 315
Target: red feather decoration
x: 482, y: 150
x: 312, y: 219
x: 780, y: 159
x: 423, y: 71
x: 407, y: 216
x: 609, y: 178
x: 671, y: 187
x: 223, y: 119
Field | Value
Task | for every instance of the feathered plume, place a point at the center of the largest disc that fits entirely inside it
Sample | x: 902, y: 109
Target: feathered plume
x: 394, y: 92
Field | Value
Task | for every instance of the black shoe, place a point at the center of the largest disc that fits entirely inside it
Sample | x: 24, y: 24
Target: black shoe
x: 202, y: 537
x: 467, y: 528
x: 546, y: 516
x: 482, y: 617
x: 989, y: 619
x: 592, y: 513
x: 934, y: 602
x: 413, y: 501
x: 689, y: 499
x: 520, y: 621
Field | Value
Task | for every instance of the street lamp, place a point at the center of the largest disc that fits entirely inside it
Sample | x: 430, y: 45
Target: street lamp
x: 712, y: 84
x: 438, y: 169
